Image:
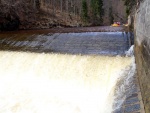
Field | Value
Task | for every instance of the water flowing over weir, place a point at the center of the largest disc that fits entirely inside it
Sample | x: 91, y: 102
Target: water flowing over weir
x: 61, y: 83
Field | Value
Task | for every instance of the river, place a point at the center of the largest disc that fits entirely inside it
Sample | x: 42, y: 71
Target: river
x: 64, y: 72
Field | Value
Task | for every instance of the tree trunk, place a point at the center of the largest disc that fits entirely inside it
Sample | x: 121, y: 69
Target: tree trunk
x: 66, y: 8
x: 61, y: 5
x: 53, y: 7
x: 34, y: 4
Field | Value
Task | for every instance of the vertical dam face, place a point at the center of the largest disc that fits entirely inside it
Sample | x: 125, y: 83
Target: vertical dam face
x: 35, y: 82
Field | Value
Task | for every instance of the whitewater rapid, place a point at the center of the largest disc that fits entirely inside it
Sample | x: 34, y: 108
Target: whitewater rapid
x: 57, y: 83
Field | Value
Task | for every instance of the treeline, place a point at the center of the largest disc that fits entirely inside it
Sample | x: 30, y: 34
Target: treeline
x: 90, y: 11
x: 68, y: 12
x: 69, y: 6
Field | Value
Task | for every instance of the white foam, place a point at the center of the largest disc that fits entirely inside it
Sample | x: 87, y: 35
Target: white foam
x: 55, y: 83
x: 130, y: 52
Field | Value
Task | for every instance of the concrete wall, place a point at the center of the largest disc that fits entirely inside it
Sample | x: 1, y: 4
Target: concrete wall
x: 142, y: 50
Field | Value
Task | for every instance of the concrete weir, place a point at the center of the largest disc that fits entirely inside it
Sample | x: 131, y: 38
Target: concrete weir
x: 89, y: 72
x: 102, y: 43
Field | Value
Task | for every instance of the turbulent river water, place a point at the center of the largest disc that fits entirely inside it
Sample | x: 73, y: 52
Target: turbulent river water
x: 33, y: 82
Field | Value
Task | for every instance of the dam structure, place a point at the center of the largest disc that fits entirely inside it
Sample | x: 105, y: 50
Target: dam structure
x: 80, y: 72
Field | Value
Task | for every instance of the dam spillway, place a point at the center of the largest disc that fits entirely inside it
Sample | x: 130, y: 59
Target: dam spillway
x: 64, y: 72
x: 106, y: 43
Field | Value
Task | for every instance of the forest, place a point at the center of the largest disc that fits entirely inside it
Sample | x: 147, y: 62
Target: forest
x: 41, y: 14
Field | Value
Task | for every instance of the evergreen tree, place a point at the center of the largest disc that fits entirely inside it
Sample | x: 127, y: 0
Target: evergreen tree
x: 97, y: 11
x: 84, y: 11
x: 101, y: 10
x: 111, y: 17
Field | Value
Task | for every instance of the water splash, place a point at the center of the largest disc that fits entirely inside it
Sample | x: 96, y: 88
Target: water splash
x: 130, y: 52
x: 56, y: 83
x: 125, y: 84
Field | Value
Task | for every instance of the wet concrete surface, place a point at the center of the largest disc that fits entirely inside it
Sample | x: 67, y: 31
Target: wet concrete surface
x: 133, y: 102
x: 104, y: 43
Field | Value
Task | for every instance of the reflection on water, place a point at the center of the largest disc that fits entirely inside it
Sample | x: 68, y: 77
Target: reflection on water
x: 56, y: 83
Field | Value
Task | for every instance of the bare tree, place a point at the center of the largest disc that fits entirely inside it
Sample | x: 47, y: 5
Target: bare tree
x: 61, y: 5
x: 53, y: 7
